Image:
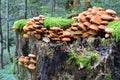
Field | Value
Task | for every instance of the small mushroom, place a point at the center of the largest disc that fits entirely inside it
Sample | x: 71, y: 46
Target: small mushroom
x: 106, y: 17
x: 81, y: 26
x: 31, y: 67
x: 74, y: 28
x: 102, y: 27
x: 37, y: 36
x: 66, y: 33
x: 94, y: 27
x: 85, y: 34
x: 82, y: 18
x: 31, y: 56
x: 66, y: 39
x: 25, y: 36
x: 104, y: 22
x: 87, y: 24
x: 26, y: 59
x: 107, y: 35
x: 20, y: 63
x: 108, y: 30
x: 21, y: 59
x: 32, y: 61
x: 25, y: 28
x: 109, y: 11
x: 55, y: 28
x: 96, y: 19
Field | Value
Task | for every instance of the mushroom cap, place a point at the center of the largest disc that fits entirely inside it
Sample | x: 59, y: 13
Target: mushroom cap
x: 94, y: 27
x: 32, y: 61
x: 96, y: 19
x: 107, y: 35
x: 104, y: 22
x: 31, y: 67
x: 66, y: 33
x: 110, y: 11
x: 26, y: 59
x: 74, y: 28
x: 31, y: 55
x: 102, y: 27
x: 36, y: 18
x: 92, y: 32
x: 37, y: 36
x: 81, y: 26
x: 25, y: 28
x: 116, y: 18
x: 85, y: 34
x: 87, y: 24
x: 108, y: 30
x: 82, y: 17
x: 25, y: 36
x: 21, y: 59
x: 55, y: 39
x: 66, y: 39
x: 56, y: 29
x: 106, y: 17
x: 101, y: 12
x: 20, y: 63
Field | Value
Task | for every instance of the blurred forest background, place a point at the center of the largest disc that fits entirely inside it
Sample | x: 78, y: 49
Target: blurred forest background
x: 12, y: 10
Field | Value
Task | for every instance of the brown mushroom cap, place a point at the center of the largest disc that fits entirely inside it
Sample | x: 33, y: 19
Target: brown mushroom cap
x: 21, y: 59
x: 31, y: 67
x: 87, y: 24
x: 102, y: 27
x: 106, y: 17
x: 107, y: 35
x: 104, y: 22
x: 94, y: 27
x: 85, y: 34
x: 37, y: 36
x: 82, y: 17
x: 96, y: 19
x: 31, y: 55
x: 32, y: 61
x: 66, y: 39
x: 20, y: 63
x: 92, y: 32
x: 109, y: 11
x: 25, y: 28
x: 55, y: 28
x: 81, y: 26
x: 66, y: 33
x: 74, y: 28
x: 26, y: 59
x: 25, y: 36
x: 108, y: 30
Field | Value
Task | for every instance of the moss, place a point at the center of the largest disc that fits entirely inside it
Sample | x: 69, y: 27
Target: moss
x: 108, y: 76
x: 50, y: 22
x: 85, y: 61
x: 19, y: 24
x: 115, y: 25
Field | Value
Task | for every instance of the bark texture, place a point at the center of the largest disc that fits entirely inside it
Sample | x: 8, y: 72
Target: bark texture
x: 52, y: 60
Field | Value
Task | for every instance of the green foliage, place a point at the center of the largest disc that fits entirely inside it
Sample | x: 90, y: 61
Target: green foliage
x: 108, y: 76
x: 115, y: 25
x: 20, y: 24
x: 50, y: 22
x: 84, y: 61
x: 7, y: 73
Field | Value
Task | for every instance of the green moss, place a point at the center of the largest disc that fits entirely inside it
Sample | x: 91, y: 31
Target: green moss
x: 57, y: 22
x: 108, y: 76
x: 116, y: 29
x: 19, y: 24
x: 85, y: 61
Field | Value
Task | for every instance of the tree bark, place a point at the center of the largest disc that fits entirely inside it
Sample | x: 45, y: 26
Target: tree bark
x: 1, y: 41
x: 25, y: 11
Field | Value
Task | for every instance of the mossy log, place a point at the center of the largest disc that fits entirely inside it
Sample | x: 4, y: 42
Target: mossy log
x: 52, y: 60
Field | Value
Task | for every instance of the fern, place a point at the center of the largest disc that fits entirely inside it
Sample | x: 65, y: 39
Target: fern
x: 7, y: 73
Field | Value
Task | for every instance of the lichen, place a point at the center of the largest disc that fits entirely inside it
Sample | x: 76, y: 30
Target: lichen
x: 115, y: 25
x: 50, y: 22
x: 19, y: 24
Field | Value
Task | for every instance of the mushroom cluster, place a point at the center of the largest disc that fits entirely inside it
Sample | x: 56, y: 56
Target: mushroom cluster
x: 28, y: 61
x: 34, y: 27
x: 90, y: 23
x: 94, y: 22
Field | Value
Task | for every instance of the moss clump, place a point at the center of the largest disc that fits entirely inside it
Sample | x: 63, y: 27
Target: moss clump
x: 18, y: 25
x: 85, y: 61
x: 50, y: 22
x: 115, y: 25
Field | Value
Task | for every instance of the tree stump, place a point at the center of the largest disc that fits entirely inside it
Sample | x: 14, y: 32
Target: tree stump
x: 51, y: 60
